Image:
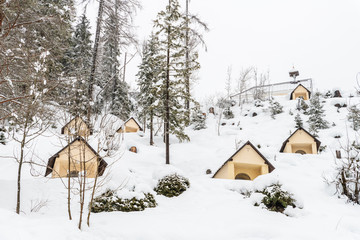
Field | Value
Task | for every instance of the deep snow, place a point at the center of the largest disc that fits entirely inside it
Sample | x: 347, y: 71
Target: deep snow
x: 210, y: 208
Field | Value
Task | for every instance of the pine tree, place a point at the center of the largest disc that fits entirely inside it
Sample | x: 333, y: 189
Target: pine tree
x: 316, y: 115
x: 354, y: 117
x: 170, y: 29
x: 275, y: 108
x: 198, y: 119
x: 78, y: 67
x: 114, y: 89
x: 302, y: 106
x: 120, y: 104
x: 148, y: 79
x: 298, y: 121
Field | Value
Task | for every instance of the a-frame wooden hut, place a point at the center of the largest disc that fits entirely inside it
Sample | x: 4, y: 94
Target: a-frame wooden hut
x: 129, y: 126
x: 247, y: 163
x: 76, y: 127
x: 301, y: 141
x: 83, y: 159
x: 300, y: 91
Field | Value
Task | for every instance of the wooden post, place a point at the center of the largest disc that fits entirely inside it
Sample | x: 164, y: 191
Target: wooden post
x: 338, y: 154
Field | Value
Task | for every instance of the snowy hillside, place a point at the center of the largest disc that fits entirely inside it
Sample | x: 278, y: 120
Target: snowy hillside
x: 210, y: 208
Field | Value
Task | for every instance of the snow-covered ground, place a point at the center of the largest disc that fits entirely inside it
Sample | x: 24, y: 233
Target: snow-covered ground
x: 210, y: 208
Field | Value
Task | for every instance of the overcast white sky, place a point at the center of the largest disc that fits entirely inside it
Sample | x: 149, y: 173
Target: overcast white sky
x: 320, y: 37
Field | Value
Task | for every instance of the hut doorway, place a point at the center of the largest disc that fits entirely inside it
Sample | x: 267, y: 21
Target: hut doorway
x: 302, y: 152
x: 242, y: 176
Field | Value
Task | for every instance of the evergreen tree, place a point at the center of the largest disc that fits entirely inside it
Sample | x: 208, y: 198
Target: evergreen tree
x: 275, y: 108
x: 298, y: 121
x: 169, y: 29
x: 198, y: 119
x: 354, y: 117
x: 78, y: 67
x: 148, y: 79
x: 302, y: 105
x: 114, y: 89
x: 316, y: 115
x: 120, y: 103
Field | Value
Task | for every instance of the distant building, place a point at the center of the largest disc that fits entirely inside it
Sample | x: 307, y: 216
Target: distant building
x: 300, y: 91
x: 247, y: 163
x: 301, y: 141
x: 76, y: 127
x: 130, y: 125
x: 77, y: 153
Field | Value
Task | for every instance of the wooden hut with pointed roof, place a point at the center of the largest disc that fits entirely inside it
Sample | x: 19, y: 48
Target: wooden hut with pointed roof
x: 76, y: 127
x: 129, y: 126
x: 77, y: 153
x: 300, y: 91
x: 247, y: 163
x: 301, y: 141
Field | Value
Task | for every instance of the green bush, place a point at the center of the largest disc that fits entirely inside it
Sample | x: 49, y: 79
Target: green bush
x: 172, y: 185
x: 276, y: 199
x: 109, y: 202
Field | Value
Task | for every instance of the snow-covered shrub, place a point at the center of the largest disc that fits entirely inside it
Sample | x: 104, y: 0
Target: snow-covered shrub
x: 328, y: 94
x: 322, y: 148
x: 354, y: 117
x: 298, y: 121
x: 198, y: 120
x: 109, y: 202
x: 316, y: 115
x: 275, y: 108
x: 2, y: 136
x: 228, y: 114
x: 258, y: 103
x: 277, y: 199
x: 172, y: 185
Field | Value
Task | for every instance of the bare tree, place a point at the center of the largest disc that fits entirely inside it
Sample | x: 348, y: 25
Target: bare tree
x: 242, y: 84
x: 228, y: 82
x: 259, y: 81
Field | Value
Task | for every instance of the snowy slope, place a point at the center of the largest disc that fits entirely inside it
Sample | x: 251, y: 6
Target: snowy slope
x: 211, y: 208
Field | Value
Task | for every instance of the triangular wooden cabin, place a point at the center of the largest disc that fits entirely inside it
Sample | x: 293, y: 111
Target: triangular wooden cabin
x: 80, y: 152
x: 300, y: 91
x: 76, y: 127
x: 301, y: 141
x: 129, y: 126
x: 247, y: 163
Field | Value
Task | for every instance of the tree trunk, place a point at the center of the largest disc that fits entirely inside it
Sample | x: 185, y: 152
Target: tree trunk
x: 69, y: 182
x: 151, y: 128
x: 124, y: 68
x: 19, y: 176
x: 82, y: 183
x: 92, y: 198
x: 187, y: 73
x: 167, y: 98
x: 21, y: 160
x: 94, y: 57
